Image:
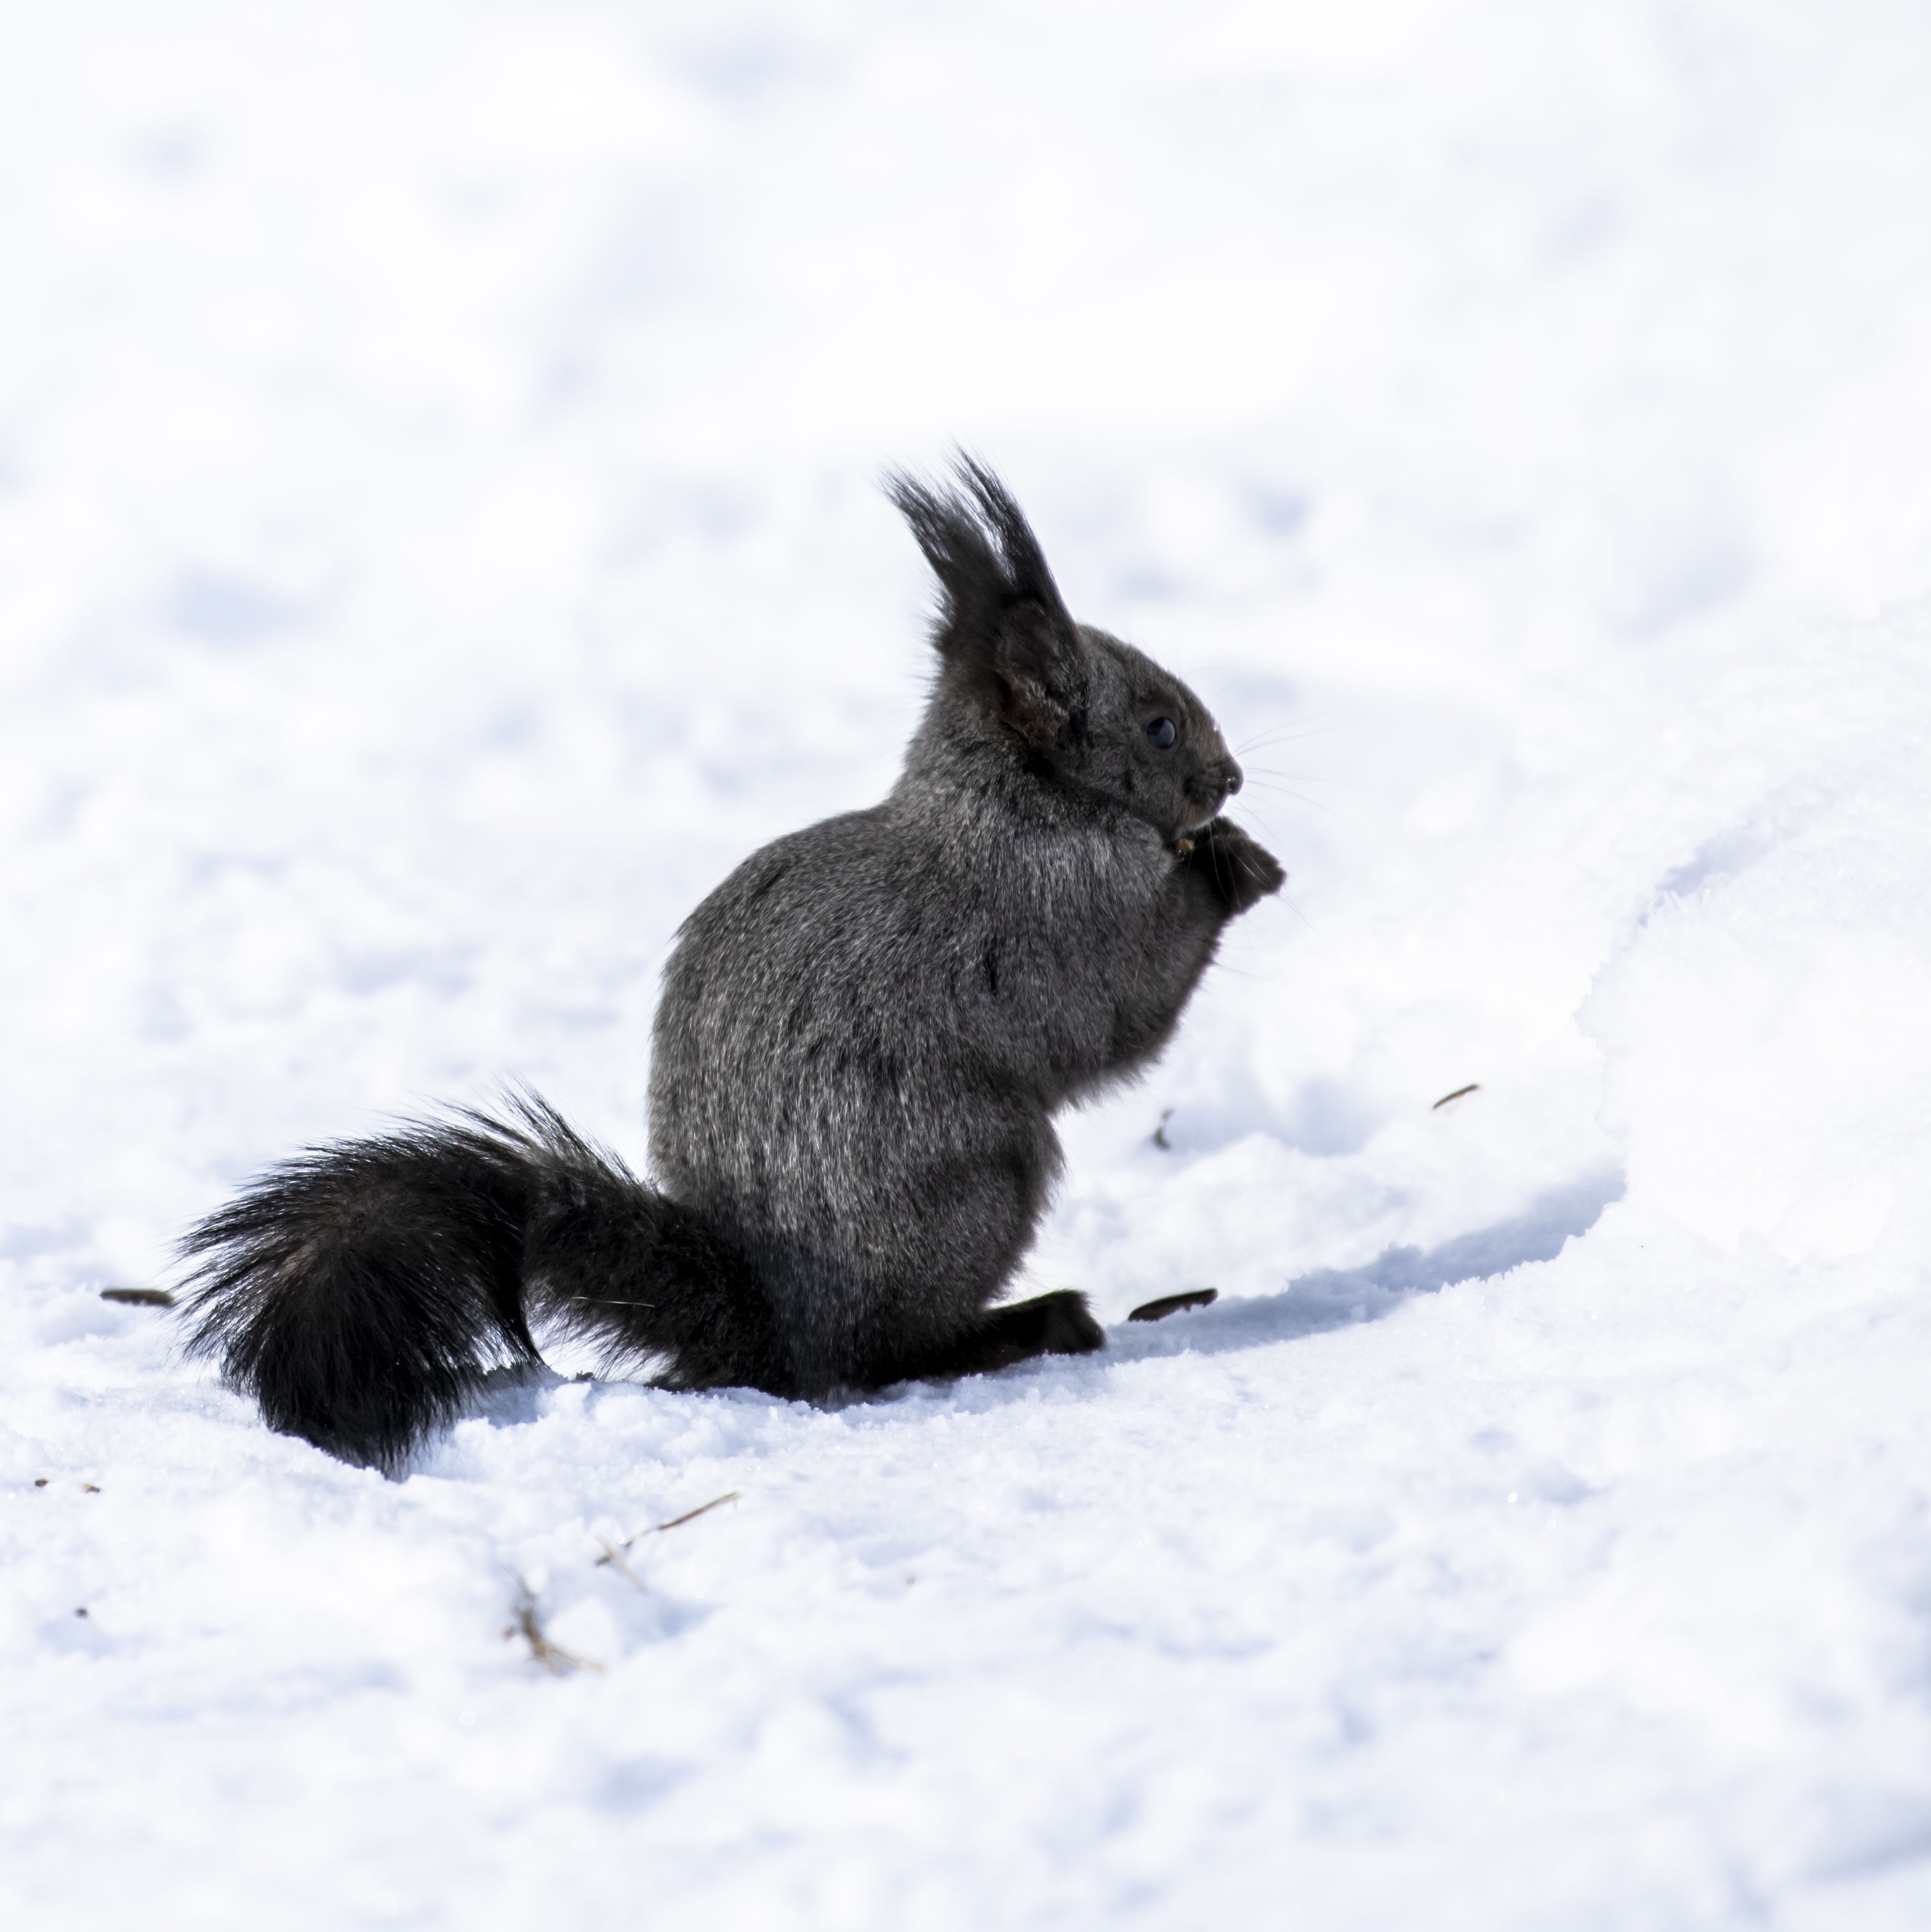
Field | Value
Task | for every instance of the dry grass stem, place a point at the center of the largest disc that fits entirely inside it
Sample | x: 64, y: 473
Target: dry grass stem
x: 610, y: 1551
x: 553, y: 1657
x: 613, y: 1554
x: 703, y: 1509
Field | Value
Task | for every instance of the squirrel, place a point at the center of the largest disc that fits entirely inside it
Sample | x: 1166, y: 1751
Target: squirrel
x: 863, y: 1036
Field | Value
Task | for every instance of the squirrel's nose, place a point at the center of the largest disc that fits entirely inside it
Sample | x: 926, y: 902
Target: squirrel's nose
x: 1232, y: 778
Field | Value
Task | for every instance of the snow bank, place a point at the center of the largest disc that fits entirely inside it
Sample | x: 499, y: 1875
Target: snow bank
x: 1766, y: 1027
x: 437, y: 539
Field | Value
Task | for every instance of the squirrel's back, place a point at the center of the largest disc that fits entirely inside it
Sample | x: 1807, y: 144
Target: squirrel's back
x: 830, y: 1084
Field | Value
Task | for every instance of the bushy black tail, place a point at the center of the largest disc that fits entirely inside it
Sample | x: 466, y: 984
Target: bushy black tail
x: 362, y: 1292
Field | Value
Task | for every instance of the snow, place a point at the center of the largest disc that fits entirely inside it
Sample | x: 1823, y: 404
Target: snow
x: 439, y: 538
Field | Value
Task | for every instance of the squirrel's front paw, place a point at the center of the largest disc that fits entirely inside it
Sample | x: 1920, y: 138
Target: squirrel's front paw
x: 1242, y: 872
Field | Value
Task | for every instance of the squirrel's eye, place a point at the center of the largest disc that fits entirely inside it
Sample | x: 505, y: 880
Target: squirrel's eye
x: 1161, y: 732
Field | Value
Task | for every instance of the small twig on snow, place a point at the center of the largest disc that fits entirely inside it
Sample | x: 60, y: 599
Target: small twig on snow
x: 610, y: 1554
x: 613, y: 1554
x: 553, y: 1657
x: 1172, y: 1304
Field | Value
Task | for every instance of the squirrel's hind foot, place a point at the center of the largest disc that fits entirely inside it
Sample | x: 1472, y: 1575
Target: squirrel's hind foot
x: 1059, y: 1324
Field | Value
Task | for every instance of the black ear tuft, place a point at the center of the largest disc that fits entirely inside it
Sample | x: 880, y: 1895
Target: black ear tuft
x: 1003, y: 629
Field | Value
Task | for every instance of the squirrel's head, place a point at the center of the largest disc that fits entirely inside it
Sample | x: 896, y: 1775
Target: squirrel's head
x: 1084, y: 709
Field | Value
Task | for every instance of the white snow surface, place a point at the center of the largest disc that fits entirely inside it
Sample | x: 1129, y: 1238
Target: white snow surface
x: 439, y: 538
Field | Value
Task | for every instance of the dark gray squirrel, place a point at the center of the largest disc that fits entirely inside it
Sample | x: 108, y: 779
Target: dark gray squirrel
x: 863, y: 1035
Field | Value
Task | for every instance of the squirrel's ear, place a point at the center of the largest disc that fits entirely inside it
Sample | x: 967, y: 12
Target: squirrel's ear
x: 1032, y: 676
x: 1003, y: 630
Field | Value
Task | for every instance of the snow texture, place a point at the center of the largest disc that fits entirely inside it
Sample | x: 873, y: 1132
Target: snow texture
x: 439, y: 538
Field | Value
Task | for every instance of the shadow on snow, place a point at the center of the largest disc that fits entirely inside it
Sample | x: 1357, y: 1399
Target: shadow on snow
x: 1339, y: 1298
